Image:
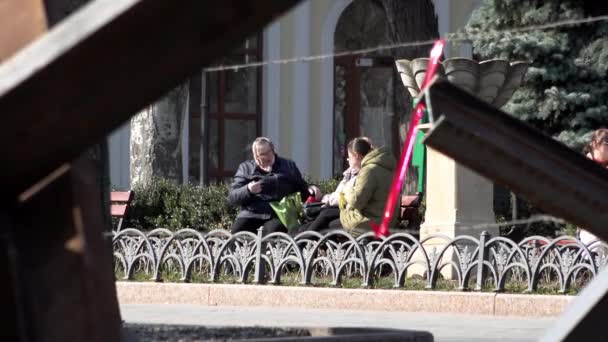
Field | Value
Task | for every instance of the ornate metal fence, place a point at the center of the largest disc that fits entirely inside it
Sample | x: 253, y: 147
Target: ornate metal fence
x: 471, y: 262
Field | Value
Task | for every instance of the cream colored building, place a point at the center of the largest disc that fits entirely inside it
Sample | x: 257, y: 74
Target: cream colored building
x: 293, y: 103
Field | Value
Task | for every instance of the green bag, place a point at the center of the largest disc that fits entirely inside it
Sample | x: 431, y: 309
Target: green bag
x: 419, y: 153
x: 289, y: 210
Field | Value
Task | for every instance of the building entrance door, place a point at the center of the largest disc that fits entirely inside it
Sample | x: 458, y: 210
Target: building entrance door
x: 364, y: 104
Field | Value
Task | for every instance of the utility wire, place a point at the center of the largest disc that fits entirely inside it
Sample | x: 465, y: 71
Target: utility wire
x: 311, y: 58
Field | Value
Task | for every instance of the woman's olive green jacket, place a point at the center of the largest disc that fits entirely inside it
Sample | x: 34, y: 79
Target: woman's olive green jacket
x: 367, y: 197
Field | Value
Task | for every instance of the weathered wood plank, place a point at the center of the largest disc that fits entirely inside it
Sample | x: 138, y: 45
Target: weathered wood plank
x: 64, y: 267
x: 95, y: 69
x: 547, y: 173
x: 21, y: 21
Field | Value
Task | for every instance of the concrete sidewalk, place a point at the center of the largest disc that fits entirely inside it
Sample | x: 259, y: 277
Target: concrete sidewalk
x: 444, y: 327
x: 490, y: 304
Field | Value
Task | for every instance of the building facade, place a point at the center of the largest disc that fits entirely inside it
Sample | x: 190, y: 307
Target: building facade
x: 310, y: 109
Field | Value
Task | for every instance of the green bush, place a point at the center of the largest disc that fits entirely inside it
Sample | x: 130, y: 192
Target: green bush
x: 503, y: 213
x: 164, y: 204
x: 326, y: 186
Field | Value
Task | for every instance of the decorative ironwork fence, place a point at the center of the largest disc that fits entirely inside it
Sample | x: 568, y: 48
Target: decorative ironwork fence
x: 264, y: 259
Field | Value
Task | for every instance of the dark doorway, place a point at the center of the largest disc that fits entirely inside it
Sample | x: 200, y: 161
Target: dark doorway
x: 364, y: 105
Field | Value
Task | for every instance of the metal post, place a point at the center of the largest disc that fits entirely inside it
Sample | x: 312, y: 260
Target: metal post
x: 203, y: 150
x: 513, y: 206
x: 185, y: 138
x: 481, y: 258
x: 260, y: 267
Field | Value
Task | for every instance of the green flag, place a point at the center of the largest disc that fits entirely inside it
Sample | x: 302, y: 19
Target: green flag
x: 419, y: 155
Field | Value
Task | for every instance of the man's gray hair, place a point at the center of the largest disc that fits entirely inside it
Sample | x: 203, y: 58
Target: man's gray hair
x: 262, y: 141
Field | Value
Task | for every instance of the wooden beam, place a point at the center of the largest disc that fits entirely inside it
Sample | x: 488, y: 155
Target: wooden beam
x: 64, y: 272
x: 21, y: 21
x: 547, y: 173
x: 98, y: 67
x: 584, y: 316
x: 550, y: 175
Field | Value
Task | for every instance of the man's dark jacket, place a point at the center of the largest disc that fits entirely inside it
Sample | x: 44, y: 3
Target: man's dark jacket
x: 284, y: 179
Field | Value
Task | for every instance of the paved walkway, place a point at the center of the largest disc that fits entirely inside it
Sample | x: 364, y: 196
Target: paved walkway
x: 444, y: 327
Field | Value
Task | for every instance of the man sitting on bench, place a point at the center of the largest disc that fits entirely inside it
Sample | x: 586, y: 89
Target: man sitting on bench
x: 267, y: 178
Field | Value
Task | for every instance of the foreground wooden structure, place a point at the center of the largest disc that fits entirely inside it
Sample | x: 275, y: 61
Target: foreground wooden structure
x: 547, y: 173
x: 71, y: 86
x: 59, y: 95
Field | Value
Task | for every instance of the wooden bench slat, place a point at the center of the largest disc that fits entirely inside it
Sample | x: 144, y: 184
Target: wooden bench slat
x: 121, y: 196
x: 118, y: 209
x: 559, y: 243
x: 407, y: 201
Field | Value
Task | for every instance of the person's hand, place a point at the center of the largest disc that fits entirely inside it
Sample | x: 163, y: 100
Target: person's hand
x: 255, y: 187
x: 315, y: 191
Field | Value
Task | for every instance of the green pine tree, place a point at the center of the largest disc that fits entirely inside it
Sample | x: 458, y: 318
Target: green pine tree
x: 565, y: 92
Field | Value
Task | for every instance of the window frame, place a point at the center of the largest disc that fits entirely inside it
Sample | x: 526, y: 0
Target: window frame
x: 221, y: 115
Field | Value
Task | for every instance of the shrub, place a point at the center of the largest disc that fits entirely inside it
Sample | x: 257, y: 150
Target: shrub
x: 517, y: 232
x: 162, y: 203
x: 165, y: 204
x: 326, y: 186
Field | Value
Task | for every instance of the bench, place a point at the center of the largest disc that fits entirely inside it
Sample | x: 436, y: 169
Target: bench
x: 561, y: 243
x: 119, y: 205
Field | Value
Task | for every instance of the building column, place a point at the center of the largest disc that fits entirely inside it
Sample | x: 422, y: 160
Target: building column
x: 271, y: 80
x: 301, y: 88
x: 457, y: 199
x: 327, y: 86
x: 443, y: 10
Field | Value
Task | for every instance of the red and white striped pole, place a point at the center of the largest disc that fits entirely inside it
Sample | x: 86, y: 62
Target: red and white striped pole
x: 406, y: 155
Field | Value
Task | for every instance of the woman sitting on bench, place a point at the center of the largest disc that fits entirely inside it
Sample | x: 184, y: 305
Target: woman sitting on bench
x: 357, y: 149
x: 365, y: 200
x: 596, y: 150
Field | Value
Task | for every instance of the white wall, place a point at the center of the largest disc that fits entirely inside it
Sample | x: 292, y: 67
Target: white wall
x: 271, y: 80
x: 301, y: 88
x: 327, y: 86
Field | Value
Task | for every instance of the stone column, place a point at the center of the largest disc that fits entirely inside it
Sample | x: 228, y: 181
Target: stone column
x: 456, y: 199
